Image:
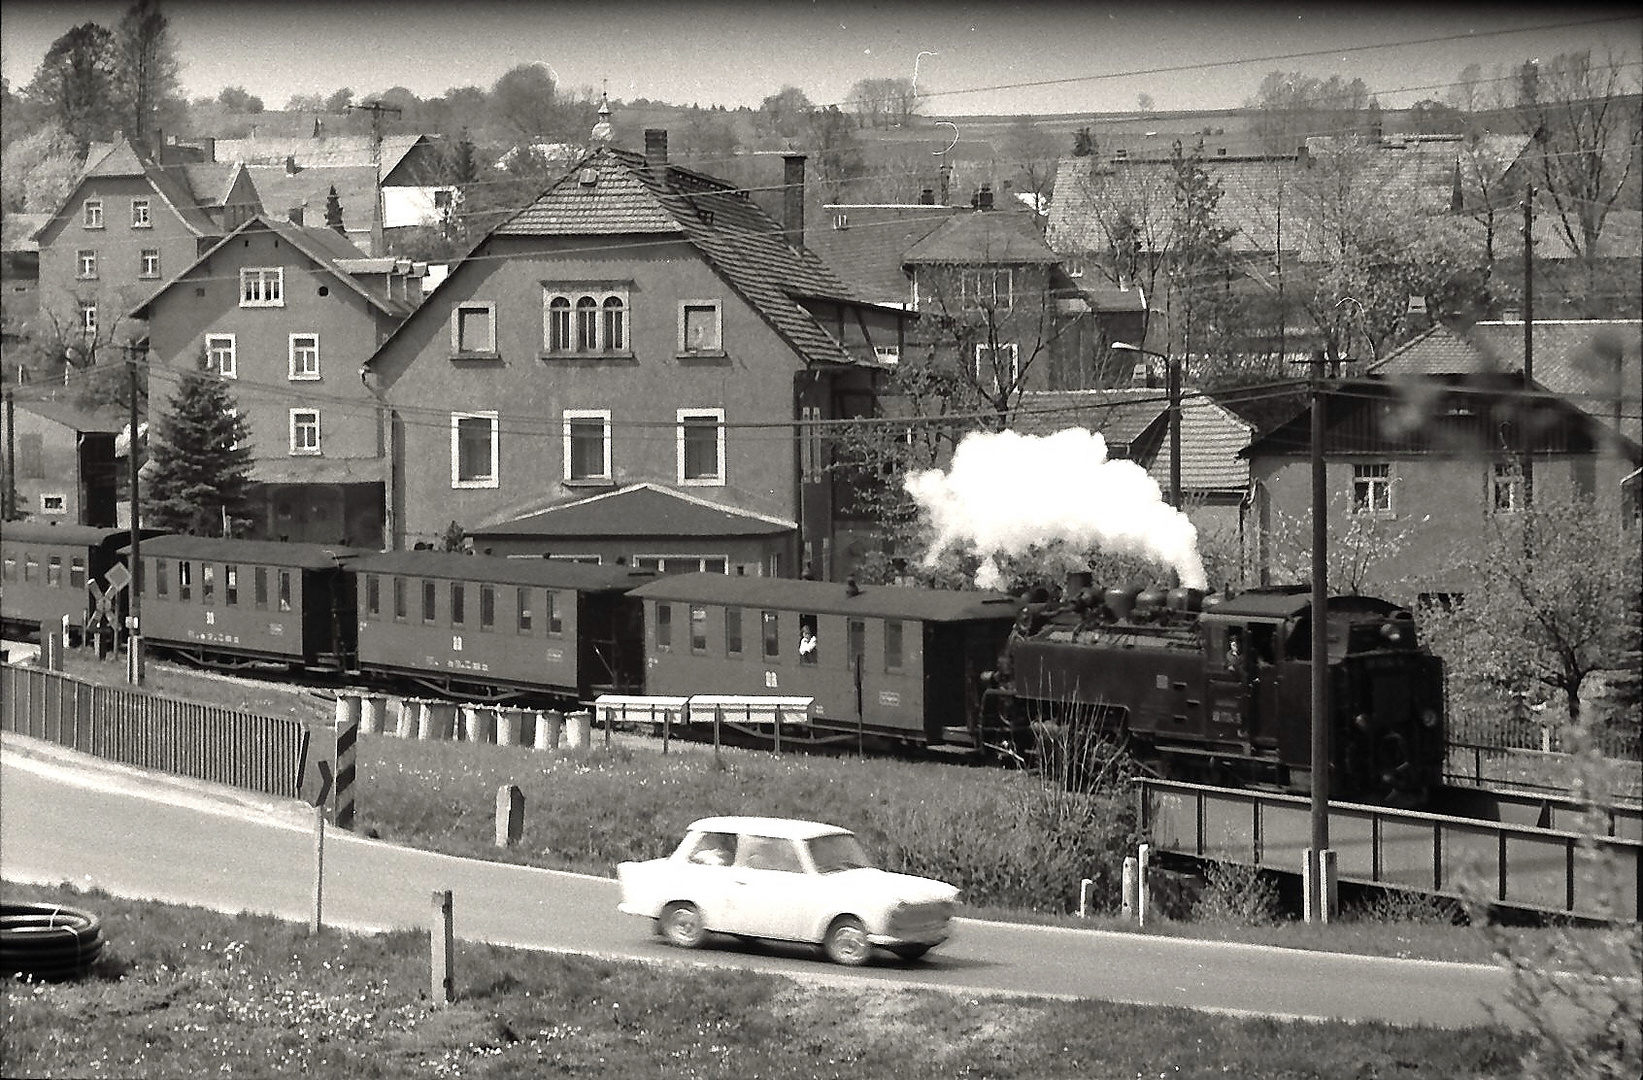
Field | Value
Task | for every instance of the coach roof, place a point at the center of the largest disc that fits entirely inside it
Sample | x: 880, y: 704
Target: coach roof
x: 249, y: 552
x: 833, y: 598
x: 39, y: 532
x: 455, y: 566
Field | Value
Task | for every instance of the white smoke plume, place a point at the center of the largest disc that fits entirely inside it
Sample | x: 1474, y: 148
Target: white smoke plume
x: 1006, y: 493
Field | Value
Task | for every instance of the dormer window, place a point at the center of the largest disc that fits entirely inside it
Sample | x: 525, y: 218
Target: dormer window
x: 91, y: 214
x: 262, y: 286
x: 140, y: 218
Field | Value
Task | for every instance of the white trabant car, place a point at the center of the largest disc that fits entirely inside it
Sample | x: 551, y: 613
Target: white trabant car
x: 785, y: 880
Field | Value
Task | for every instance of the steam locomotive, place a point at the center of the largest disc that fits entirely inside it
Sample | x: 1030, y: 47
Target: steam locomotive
x: 1208, y: 687
x: 1218, y: 688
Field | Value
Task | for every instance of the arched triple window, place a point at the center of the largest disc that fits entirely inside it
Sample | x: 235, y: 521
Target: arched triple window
x: 588, y: 321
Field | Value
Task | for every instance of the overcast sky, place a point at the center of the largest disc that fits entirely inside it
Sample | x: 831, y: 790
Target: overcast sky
x: 1085, y: 57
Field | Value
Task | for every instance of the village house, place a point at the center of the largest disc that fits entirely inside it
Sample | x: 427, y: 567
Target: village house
x: 641, y: 345
x: 60, y: 460
x: 125, y: 229
x: 1427, y: 450
x: 291, y: 315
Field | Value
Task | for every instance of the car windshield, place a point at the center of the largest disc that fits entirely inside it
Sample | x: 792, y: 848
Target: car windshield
x: 839, y: 851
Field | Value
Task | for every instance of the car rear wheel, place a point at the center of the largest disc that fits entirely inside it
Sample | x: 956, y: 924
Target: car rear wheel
x: 846, y: 942
x: 909, y: 952
x: 681, y: 924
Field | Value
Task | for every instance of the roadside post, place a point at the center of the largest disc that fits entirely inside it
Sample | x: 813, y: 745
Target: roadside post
x: 1127, y: 904
x: 317, y: 920
x: 510, y: 815
x: 441, y: 943
x: 1142, y: 894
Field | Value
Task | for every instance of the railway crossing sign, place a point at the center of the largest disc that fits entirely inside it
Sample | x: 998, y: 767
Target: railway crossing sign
x: 118, y: 577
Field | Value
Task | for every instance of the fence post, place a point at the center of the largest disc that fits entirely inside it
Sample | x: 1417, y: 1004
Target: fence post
x: 1127, y: 902
x: 441, y: 943
x: 316, y: 921
x: 1143, y: 894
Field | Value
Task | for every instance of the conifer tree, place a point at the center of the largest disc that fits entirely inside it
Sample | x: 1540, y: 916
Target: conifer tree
x: 201, y: 461
x: 333, y: 211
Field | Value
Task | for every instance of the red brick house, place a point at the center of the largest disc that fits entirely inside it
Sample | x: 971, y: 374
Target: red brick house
x: 1423, y: 452
x: 127, y: 227
x: 291, y: 315
x: 639, y: 327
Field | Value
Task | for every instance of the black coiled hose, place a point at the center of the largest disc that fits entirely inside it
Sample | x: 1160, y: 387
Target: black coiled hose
x: 48, y: 941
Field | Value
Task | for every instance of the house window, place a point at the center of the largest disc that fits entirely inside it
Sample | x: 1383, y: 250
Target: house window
x: 304, y: 352
x: 53, y: 504
x: 474, y: 450
x: 86, y: 261
x: 150, y: 263
x: 700, y: 327
x: 1372, y: 489
x: 988, y: 286
x: 733, y: 631
x: 91, y: 214
x: 892, y: 645
x: 304, y: 431
x: 771, y: 633
x: 997, y: 367
x: 585, y: 321
x: 701, y: 446
x: 664, y: 626
x: 1507, y: 488
x: 473, y: 329
x: 88, y: 316
x: 587, y: 444
x: 698, y: 629
x: 262, y: 286
x: 811, y: 459
x: 682, y: 564
x: 220, y: 355
x: 140, y: 218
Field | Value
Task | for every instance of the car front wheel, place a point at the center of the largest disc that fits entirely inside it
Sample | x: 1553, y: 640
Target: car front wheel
x: 846, y: 942
x: 681, y: 924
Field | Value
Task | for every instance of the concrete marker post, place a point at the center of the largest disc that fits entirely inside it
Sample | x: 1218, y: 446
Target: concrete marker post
x: 1085, y: 888
x: 510, y: 815
x: 1309, y: 892
x: 1329, y: 890
x: 441, y: 944
x: 317, y: 920
x: 1127, y: 904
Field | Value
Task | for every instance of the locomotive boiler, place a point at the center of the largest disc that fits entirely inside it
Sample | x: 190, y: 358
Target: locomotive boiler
x: 1218, y: 688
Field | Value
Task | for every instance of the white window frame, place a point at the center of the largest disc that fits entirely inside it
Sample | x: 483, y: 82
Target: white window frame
x: 812, y: 446
x: 91, y: 214
x: 53, y: 503
x: 489, y: 308
x: 141, y: 215
x: 299, y: 423
x: 1372, y: 490
x: 600, y: 295
x: 717, y: 307
x: 718, y: 418
x: 976, y: 283
x: 303, y: 374
x: 230, y: 370
x: 1505, y: 477
x: 674, y: 564
x: 85, y: 264
x: 88, y: 316
x: 494, y: 478
x: 148, y: 263
x: 262, y: 286
x: 987, y: 369
x: 587, y: 414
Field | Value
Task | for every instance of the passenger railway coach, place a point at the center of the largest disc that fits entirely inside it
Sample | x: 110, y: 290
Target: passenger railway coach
x: 492, y: 627
x: 901, y: 662
x: 52, y: 572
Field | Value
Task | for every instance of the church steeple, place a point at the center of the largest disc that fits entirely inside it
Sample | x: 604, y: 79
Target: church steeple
x: 601, y: 130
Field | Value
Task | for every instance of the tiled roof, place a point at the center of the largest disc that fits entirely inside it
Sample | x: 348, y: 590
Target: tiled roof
x: 210, y: 183
x: 743, y: 243
x: 639, y: 510
x: 867, y: 252
x: 105, y: 421
x: 990, y: 237
x: 1137, y: 418
x: 1583, y: 360
x: 326, y: 151
x: 309, y: 189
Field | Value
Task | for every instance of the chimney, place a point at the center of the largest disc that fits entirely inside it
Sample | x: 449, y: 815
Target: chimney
x: 793, y: 200
x: 984, y: 197
x: 294, y: 215
x: 319, y: 128
x: 927, y: 197
x: 656, y: 146
x: 208, y: 147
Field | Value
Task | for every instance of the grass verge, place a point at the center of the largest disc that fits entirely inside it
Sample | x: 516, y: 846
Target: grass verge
x: 186, y: 992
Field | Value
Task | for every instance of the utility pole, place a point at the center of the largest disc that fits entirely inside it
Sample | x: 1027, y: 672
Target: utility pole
x: 1317, y: 899
x: 1524, y: 403
x: 133, y: 641
x: 377, y: 109
x: 8, y: 496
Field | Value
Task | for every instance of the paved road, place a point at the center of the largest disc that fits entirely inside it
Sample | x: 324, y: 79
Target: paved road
x: 63, y: 817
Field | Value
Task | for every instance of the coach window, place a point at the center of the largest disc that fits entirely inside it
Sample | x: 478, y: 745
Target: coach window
x: 892, y: 644
x: 429, y: 589
x: 259, y: 588
x: 54, y: 571
x: 8, y: 568
x: 857, y: 644
x: 231, y: 585
x: 698, y: 629
x: 185, y: 580
x: 285, y: 590
x: 162, y: 578
x: 770, y: 624
x: 208, y: 583
x: 524, y: 611
x: 459, y: 607
x: 401, y: 605
x: 373, y: 595
x: 664, y: 626
x: 808, y: 645
x: 487, y: 607
x: 733, y: 631
x: 77, y: 573
x: 556, y: 623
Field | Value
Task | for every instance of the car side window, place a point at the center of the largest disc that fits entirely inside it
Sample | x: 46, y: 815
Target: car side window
x: 769, y: 853
x: 714, y: 849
